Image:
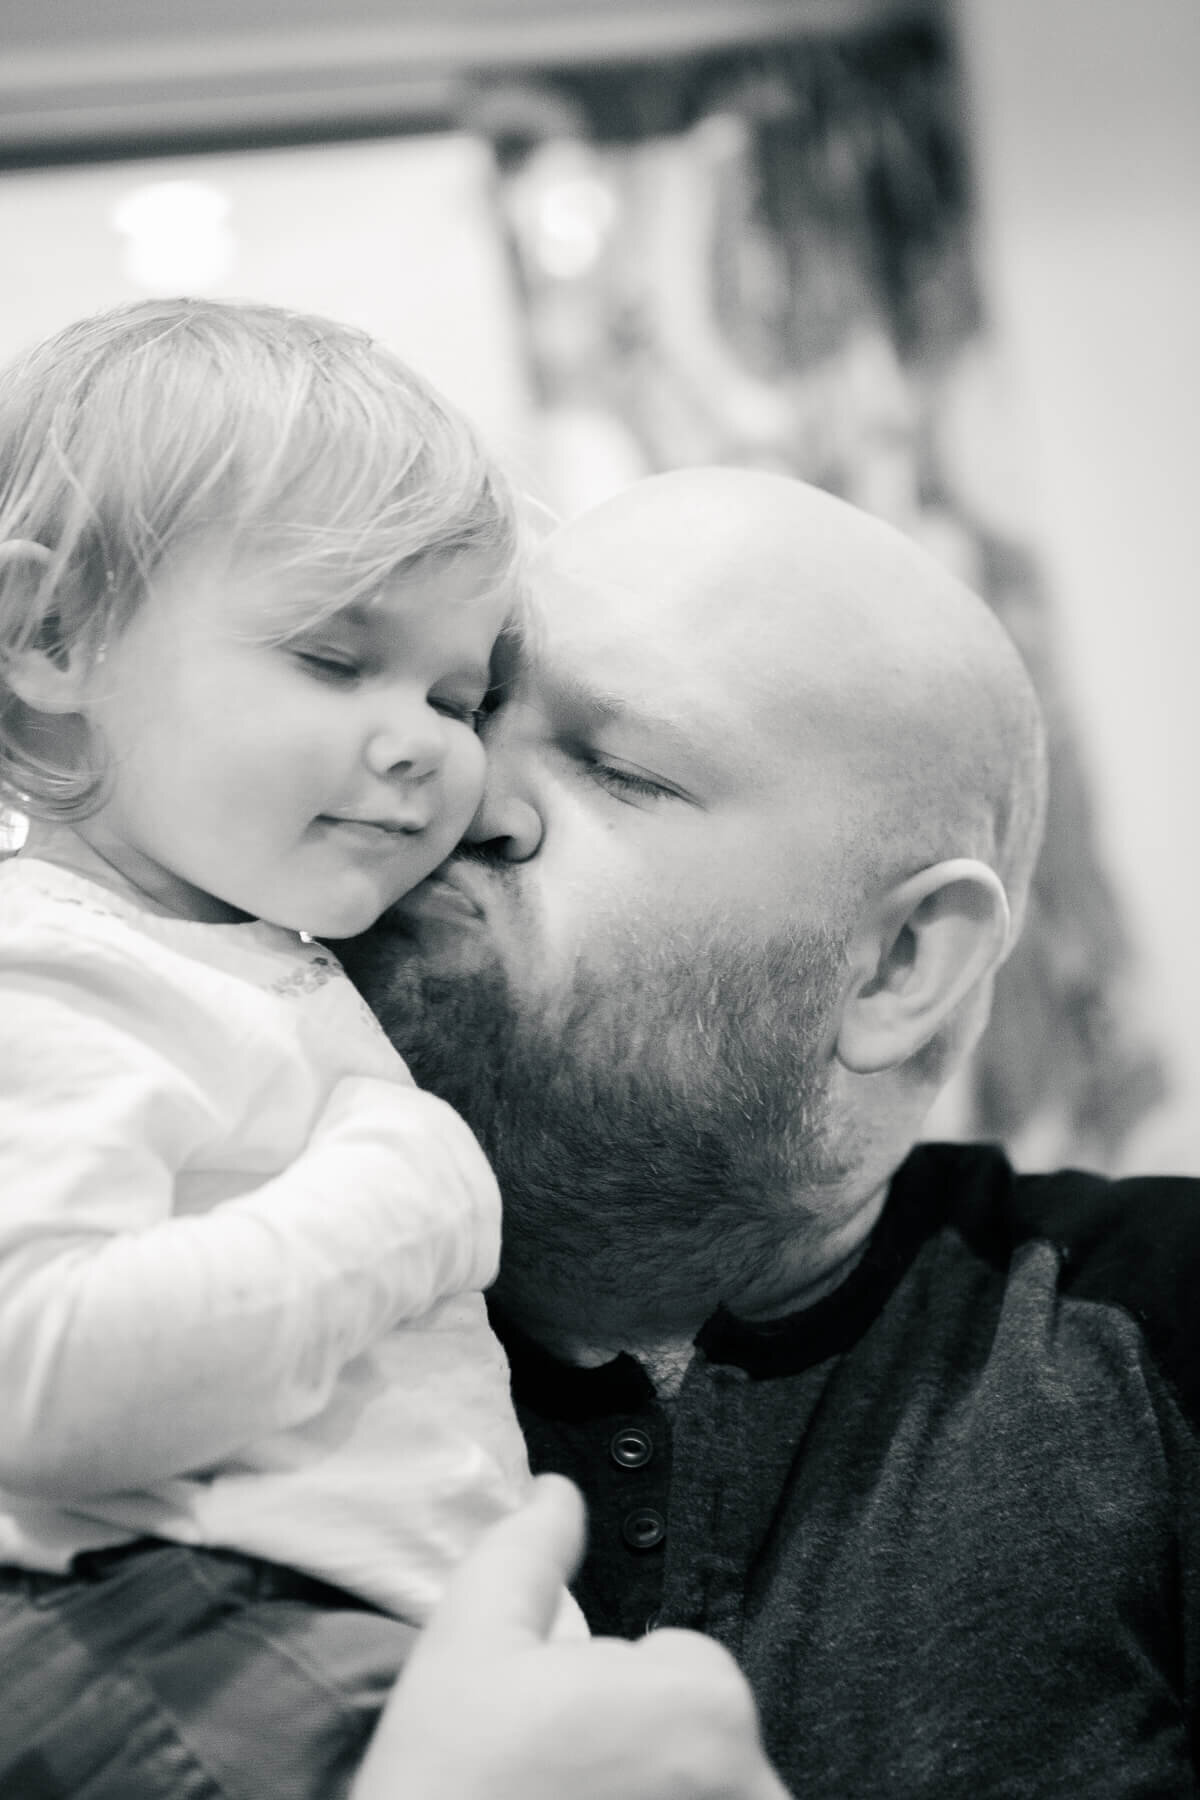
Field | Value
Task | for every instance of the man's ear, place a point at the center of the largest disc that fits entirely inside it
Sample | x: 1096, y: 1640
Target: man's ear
x: 916, y: 955
x: 46, y: 682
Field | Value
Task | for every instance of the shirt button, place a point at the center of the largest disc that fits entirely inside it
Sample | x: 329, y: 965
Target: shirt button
x: 631, y: 1448
x: 644, y: 1529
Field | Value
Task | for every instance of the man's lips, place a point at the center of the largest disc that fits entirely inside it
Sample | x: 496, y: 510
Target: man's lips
x: 442, y: 895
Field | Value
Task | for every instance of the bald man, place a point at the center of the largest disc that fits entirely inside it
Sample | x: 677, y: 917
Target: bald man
x: 912, y: 1435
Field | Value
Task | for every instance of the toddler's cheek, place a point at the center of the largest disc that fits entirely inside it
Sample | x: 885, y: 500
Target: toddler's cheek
x: 466, y: 774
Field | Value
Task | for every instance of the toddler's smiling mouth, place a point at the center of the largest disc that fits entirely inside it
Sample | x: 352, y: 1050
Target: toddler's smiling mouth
x: 384, y: 827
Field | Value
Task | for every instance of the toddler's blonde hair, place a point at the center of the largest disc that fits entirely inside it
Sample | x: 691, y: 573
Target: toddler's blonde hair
x: 131, y: 433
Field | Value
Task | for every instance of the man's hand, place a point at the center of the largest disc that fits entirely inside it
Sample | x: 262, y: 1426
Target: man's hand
x: 490, y: 1708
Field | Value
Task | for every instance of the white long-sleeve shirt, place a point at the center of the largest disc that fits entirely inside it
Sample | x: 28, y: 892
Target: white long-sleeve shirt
x: 241, y: 1257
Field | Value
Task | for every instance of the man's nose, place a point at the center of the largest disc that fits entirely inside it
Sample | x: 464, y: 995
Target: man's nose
x: 507, y: 824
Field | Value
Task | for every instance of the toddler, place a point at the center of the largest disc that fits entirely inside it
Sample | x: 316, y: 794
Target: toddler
x: 253, y: 577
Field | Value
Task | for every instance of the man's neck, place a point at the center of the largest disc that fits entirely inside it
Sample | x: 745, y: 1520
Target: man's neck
x: 796, y: 1289
x: 664, y: 1346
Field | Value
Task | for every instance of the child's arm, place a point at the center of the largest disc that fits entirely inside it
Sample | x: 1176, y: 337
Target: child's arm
x: 134, y: 1344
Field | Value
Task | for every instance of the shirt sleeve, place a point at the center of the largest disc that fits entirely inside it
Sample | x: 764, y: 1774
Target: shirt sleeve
x: 135, y: 1343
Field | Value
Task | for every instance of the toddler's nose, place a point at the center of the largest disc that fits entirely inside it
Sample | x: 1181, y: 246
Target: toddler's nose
x: 413, y: 750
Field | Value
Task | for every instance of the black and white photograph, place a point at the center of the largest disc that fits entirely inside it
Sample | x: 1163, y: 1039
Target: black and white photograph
x: 599, y: 840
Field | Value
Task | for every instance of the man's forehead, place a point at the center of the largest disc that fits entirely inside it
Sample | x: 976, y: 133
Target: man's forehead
x: 613, y: 653
x: 676, y: 652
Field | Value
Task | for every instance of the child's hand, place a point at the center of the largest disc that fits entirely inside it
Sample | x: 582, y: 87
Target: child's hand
x: 489, y: 1709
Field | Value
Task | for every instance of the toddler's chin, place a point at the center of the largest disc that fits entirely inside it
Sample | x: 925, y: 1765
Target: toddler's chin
x: 333, y: 924
x: 329, y: 917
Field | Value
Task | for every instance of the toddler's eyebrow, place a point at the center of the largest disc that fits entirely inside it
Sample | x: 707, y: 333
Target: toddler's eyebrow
x: 359, y: 614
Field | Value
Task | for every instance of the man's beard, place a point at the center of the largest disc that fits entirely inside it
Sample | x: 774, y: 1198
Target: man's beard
x: 660, y: 1134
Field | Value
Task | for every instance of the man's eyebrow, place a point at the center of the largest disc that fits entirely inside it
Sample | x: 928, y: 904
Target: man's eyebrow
x: 570, y: 695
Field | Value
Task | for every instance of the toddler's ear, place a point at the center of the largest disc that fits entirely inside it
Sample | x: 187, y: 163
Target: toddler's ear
x: 48, y: 681
x: 45, y: 676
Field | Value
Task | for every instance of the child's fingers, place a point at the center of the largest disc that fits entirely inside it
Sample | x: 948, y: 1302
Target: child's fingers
x: 506, y: 1593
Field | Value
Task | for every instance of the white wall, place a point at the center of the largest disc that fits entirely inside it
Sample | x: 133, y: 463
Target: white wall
x: 397, y: 235
x: 1087, y: 155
